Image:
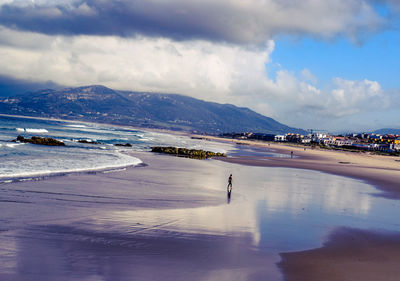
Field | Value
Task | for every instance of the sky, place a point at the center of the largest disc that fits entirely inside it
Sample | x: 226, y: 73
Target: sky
x: 329, y: 65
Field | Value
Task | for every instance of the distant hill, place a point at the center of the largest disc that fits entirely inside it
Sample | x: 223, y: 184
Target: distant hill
x: 385, y: 131
x: 15, y: 87
x: 151, y: 110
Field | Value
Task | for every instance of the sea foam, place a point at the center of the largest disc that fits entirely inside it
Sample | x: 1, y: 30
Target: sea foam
x: 12, y: 145
x: 31, y: 130
x: 28, y: 175
x: 75, y: 126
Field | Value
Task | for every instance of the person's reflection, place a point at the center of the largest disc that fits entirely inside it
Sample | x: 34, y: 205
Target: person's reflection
x: 229, y: 197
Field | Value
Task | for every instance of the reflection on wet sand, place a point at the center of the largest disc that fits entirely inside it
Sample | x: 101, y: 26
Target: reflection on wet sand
x: 271, y: 210
x: 261, y: 200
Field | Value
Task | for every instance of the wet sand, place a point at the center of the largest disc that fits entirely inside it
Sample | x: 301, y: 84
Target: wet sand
x: 125, y: 226
x: 171, y: 221
x: 381, y: 171
x: 350, y: 254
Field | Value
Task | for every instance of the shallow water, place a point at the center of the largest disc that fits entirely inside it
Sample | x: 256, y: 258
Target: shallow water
x: 172, y: 220
x: 27, y: 161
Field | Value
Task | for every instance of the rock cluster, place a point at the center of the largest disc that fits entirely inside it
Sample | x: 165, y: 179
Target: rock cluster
x: 89, y: 142
x: 40, y: 140
x: 121, y: 144
x: 184, y: 152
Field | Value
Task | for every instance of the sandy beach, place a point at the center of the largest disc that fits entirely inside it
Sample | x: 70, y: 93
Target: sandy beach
x: 348, y: 254
x: 161, y: 221
x: 381, y: 171
x: 171, y: 220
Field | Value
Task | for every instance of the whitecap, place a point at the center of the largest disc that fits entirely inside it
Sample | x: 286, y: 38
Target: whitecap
x: 12, y: 145
x: 76, y: 126
x: 26, y: 179
x: 7, y: 181
x: 38, y: 131
x: 20, y: 130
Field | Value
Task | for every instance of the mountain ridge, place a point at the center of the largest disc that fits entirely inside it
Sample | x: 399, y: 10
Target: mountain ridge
x: 385, y: 131
x: 97, y: 103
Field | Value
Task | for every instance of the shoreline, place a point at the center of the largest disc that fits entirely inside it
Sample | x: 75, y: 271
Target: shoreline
x: 383, y: 172
x: 159, y: 218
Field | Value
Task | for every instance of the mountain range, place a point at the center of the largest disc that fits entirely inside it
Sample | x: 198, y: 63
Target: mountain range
x: 141, y: 109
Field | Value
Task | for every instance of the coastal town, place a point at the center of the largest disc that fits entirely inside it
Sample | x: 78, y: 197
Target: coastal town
x: 379, y: 143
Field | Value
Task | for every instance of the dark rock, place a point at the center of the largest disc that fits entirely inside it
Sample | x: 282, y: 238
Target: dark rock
x: 89, y: 142
x: 184, y: 152
x: 121, y: 144
x: 40, y: 140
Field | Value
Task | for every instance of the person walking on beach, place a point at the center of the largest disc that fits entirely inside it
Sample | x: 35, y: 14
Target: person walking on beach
x: 229, y: 187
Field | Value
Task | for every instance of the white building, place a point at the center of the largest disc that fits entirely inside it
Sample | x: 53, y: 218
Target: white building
x: 280, y: 138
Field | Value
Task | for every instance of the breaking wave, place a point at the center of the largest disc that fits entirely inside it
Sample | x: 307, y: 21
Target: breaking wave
x: 31, y: 130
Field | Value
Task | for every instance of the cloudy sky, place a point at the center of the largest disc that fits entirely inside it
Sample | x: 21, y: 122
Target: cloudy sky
x: 321, y: 64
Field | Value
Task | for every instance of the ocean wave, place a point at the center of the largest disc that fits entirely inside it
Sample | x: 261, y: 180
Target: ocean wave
x: 12, y: 145
x: 76, y: 126
x: 6, y: 181
x: 31, y: 130
x: 34, y: 175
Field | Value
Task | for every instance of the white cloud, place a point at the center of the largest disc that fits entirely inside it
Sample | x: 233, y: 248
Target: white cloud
x: 211, y: 71
x: 306, y: 75
x: 3, y: 2
x: 199, y: 68
x: 351, y: 97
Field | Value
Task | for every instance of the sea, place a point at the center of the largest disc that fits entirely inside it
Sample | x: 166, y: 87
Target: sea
x: 24, y: 161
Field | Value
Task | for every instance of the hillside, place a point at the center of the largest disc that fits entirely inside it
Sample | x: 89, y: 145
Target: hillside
x: 385, y: 131
x: 176, y: 112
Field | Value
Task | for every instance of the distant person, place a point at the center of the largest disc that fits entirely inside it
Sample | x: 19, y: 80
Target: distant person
x: 291, y: 154
x: 229, y: 187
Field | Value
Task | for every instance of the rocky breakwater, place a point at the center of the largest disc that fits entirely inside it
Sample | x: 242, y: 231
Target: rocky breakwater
x: 39, y: 140
x: 184, y: 152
